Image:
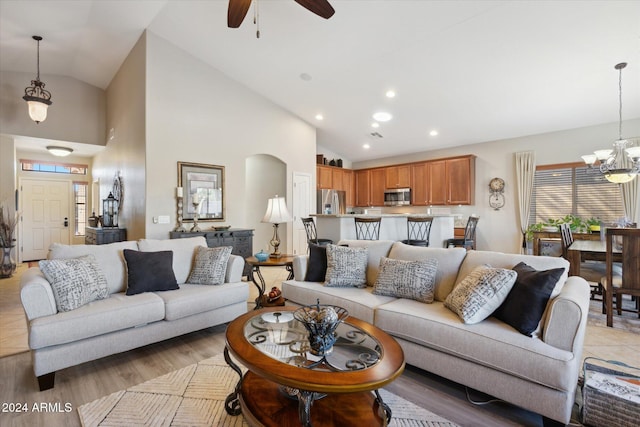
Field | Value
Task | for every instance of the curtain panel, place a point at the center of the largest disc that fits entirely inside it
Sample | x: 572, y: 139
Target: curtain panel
x: 525, y: 173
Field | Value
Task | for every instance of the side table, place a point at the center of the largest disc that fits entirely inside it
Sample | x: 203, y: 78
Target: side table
x: 285, y: 261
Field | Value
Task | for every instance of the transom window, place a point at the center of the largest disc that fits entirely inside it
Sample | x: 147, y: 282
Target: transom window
x: 573, y: 189
x: 51, y: 167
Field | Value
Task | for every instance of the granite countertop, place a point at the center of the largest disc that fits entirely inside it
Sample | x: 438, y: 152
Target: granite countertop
x: 400, y: 215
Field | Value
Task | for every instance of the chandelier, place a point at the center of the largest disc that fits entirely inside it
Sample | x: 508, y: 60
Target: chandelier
x: 622, y: 163
x: 36, y: 96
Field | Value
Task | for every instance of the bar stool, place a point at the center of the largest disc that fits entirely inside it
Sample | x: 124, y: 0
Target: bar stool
x: 312, y: 233
x: 368, y: 228
x: 418, y: 230
x: 469, y: 239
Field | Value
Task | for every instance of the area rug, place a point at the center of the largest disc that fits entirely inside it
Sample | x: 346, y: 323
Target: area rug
x: 194, y: 396
x: 628, y: 322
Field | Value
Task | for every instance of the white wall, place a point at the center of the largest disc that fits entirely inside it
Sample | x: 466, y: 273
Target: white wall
x: 500, y: 230
x: 194, y: 113
x: 77, y: 113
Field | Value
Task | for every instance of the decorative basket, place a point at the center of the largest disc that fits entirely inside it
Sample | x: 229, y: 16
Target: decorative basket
x: 321, y: 321
x: 603, y: 402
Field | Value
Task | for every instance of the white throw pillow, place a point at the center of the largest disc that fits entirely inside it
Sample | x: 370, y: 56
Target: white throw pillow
x: 407, y: 279
x: 480, y: 293
x: 346, y: 267
x: 75, y: 281
x: 210, y: 265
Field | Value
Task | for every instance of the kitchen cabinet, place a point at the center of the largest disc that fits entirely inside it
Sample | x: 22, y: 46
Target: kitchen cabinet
x: 378, y: 181
x: 398, y: 176
x: 370, y: 186
x: 348, y: 184
x: 420, y: 184
x: 362, y: 184
x: 460, y: 177
x: 437, y: 182
x: 324, y: 177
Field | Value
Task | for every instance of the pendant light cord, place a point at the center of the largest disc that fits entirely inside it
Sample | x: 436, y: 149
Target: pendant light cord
x: 620, y: 100
x: 38, y: 61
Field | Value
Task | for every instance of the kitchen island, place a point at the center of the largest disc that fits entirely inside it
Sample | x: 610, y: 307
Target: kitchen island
x: 393, y: 227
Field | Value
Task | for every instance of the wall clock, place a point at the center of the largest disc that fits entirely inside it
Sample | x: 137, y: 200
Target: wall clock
x: 496, y: 199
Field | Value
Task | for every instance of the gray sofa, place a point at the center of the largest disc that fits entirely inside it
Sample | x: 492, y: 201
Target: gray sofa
x: 123, y: 322
x: 538, y: 373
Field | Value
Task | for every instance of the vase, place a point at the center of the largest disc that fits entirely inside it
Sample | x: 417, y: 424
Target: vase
x: 8, y: 265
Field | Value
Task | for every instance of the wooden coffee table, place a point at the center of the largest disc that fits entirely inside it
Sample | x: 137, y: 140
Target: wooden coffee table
x: 284, y: 380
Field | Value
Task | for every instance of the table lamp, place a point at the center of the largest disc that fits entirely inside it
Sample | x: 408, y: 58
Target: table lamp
x: 276, y: 214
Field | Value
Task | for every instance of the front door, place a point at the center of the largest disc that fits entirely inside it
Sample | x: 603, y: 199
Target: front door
x: 45, y: 216
x: 301, y: 208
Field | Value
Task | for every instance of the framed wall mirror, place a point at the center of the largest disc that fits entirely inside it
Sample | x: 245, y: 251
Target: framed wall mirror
x: 203, y: 189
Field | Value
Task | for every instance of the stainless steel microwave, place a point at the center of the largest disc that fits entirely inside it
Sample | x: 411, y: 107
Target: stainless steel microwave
x: 397, y: 197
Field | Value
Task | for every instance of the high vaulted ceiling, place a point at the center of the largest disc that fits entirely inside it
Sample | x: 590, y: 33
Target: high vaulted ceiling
x: 472, y: 70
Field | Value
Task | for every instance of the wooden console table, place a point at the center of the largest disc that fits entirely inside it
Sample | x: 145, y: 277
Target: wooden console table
x: 555, y: 235
x: 240, y: 239
x: 102, y: 236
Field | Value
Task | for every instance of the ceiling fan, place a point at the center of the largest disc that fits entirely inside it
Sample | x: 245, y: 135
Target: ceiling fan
x: 238, y: 10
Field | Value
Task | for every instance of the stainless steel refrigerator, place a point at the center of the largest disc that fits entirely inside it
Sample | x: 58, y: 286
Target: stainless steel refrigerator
x: 331, y: 202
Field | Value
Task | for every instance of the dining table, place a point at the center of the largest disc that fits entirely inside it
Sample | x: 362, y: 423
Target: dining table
x: 588, y: 250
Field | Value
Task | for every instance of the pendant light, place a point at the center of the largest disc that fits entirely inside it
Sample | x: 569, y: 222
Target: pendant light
x: 622, y: 163
x: 36, y: 96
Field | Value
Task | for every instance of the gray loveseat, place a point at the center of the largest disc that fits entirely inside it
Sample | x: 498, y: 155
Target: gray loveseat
x: 123, y: 322
x: 538, y: 373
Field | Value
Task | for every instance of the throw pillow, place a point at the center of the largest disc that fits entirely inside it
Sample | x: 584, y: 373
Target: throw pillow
x: 317, y: 265
x: 75, y: 281
x: 524, y: 306
x: 480, y: 293
x: 407, y: 279
x: 210, y: 265
x: 149, y: 271
x: 346, y: 267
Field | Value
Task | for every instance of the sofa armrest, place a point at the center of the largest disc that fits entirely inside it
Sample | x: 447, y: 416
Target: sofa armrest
x: 567, y: 318
x: 36, y: 294
x: 300, y: 263
x: 235, y: 267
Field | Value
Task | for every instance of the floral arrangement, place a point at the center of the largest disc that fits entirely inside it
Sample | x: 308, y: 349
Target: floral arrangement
x: 8, y: 222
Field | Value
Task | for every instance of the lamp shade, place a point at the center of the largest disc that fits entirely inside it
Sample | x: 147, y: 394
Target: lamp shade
x: 277, y: 211
x: 38, y: 109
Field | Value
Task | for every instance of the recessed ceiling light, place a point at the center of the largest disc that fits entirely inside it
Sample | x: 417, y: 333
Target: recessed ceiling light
x: 366, y: 146
x: 375, y: 125
x: 390, y: 94
x: 319, y: 117
x: 433, y: 133
x: 382, y: 116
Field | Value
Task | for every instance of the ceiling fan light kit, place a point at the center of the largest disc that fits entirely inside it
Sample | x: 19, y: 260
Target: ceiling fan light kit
x: 622, y: 163
x: 38, y: 99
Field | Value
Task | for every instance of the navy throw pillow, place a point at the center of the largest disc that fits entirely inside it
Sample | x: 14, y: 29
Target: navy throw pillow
x: 149, y: 271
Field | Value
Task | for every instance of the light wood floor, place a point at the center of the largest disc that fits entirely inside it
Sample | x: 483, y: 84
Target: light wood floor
x: 89, y: 381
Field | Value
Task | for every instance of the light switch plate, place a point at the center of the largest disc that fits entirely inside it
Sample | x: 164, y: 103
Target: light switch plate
x: 163, y: 219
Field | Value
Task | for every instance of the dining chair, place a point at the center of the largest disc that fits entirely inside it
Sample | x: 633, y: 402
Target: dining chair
x: 367, y: 228
x: 312, y: 233
x: 469, y: 239
x: 591, y: 271
x: 418, y: 230
x: 627, y: 240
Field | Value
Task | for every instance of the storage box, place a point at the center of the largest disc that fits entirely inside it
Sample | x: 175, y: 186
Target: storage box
x: 610, y: 396
x: 320, y: 159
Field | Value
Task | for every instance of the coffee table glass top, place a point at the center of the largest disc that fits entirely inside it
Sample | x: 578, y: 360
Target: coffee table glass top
x: 281, y: 337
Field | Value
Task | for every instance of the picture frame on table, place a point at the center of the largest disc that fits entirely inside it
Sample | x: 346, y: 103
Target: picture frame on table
x: 203, y: 184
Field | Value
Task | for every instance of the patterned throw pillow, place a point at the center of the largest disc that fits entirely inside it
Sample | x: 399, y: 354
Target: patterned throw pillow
x: 210, y: 265
x: 75, y: 281
x: 407, y: 279
x: 346, y: 267
x: 480, y: 293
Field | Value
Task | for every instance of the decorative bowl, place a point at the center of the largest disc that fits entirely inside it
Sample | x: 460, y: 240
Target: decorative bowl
x: 262, y: 256
x: 321, y: 321
x: 221, y: 227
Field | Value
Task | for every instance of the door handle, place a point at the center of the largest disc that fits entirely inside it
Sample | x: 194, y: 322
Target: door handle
x: 66, y: 221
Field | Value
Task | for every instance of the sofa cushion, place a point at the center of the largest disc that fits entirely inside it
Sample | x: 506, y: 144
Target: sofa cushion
x: 183, y: 252
x: 317, y: 264
x: 210, y: 265
x: 491, y: 343
x: 525, y: 304
x: 480, y: 293
x: 360, y: 303
x: 377, y: 249
x: 109, y: 257
x: 346, y: 266
x: 195, y: 299
x: 100, y: 317
x: 75, y: 281
x: 449, y: 261
x: 407, y: 279
x: 149, y: 271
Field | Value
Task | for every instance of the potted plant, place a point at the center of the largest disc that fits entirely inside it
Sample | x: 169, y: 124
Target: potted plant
x: 8, y: 222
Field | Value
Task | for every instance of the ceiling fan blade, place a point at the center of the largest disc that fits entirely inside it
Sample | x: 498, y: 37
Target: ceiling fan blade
x: 236, y: 12
x: 319, y: 7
